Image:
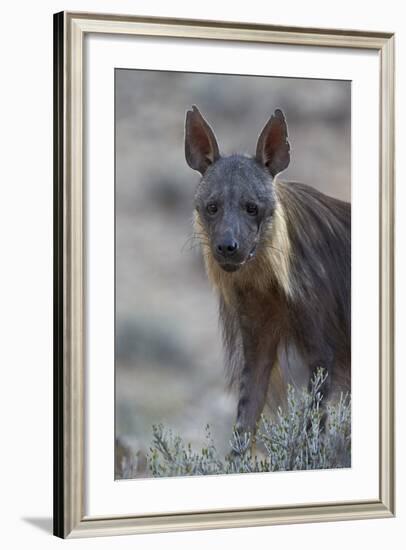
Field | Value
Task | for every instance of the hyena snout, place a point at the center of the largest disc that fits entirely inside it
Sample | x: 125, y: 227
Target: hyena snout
x: 231, y: 253
x: 227, y: 247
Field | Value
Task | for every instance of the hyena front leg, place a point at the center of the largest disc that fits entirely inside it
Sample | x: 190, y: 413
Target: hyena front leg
x: 254, y: 381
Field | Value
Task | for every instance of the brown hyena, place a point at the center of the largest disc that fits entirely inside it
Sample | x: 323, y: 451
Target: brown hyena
x: 279, y: 255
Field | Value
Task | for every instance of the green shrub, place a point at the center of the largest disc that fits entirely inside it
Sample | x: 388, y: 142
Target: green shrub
x: 302, y: 437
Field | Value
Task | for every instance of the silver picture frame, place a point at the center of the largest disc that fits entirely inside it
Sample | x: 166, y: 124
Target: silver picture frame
x: 70, y: 519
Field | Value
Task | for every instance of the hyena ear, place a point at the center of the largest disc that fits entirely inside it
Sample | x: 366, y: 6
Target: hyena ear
x: 273, y: 149
x: 201, y: 147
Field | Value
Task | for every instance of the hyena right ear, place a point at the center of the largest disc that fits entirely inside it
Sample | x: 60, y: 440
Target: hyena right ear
x: 273, y: 149
x: 201, y: 147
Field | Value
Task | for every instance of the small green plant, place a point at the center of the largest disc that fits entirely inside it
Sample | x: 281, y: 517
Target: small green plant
x: 303, y: 437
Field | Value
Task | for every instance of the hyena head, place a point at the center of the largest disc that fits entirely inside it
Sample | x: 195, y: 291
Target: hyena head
x: 235, y: 199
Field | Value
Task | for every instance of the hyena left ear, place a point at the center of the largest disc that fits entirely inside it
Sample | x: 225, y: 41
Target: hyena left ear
x: 273, y: 149
x: 201, y: 149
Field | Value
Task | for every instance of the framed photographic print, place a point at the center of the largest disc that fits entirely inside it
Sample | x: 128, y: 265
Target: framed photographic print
x: 224, y: 293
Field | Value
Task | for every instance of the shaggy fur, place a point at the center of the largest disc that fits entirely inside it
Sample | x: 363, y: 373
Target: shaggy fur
x: 285, y: 307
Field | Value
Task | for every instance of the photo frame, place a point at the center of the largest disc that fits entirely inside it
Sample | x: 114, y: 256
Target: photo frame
x: 73, y: 469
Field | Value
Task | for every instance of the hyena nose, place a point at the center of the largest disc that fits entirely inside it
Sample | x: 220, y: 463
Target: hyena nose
x: 227, y: 247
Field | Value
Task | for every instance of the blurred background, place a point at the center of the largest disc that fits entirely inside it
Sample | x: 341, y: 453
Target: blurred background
x: 169, y: 366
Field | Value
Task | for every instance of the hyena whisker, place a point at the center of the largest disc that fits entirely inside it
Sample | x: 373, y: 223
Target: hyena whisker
x: 193, y: 241
x: 196, y: 247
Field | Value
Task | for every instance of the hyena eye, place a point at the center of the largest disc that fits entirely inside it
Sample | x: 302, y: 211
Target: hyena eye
x: 251, y: 208
x: 212, y: 208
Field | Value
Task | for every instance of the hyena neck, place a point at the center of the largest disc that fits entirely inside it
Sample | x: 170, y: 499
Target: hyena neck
x: 269, y: 270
